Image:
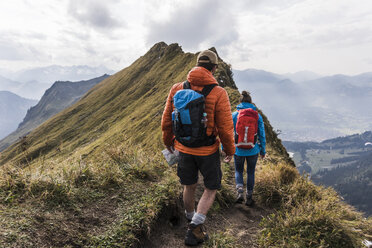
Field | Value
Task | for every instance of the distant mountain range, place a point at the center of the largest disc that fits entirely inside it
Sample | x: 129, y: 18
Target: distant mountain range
x: 32, y: 83
x: 58, y: 97
x: 306, y: 106
x: 12, y: 110
x: 302, y: 76
x: 345, y: 163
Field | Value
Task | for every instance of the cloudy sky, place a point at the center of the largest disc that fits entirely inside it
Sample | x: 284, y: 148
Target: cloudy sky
x: 327, y: 37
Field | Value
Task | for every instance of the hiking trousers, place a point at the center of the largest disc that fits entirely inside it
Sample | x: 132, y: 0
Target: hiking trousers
x: 239, y: 170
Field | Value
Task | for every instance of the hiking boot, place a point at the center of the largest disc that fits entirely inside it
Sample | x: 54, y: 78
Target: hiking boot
x: 240, y: 198
x: 249, y: 202
x: 195, y: 235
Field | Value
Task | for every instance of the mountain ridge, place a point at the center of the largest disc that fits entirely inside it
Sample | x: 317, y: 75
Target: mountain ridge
x: 141, y: 87
x: 33, y: 82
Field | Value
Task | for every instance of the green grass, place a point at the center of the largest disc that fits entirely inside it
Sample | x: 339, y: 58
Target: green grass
x: 306, y: 215
x: 222, y: 239
x: 127, y: 105
x: 106, y: 146
x: 139, y: 186
x: 139, y: 216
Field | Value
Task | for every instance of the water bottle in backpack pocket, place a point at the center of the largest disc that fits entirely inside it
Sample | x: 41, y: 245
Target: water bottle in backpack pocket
x: 189, y: 117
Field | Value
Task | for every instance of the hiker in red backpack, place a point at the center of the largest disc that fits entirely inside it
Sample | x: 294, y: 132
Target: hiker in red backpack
x: 249, y: 142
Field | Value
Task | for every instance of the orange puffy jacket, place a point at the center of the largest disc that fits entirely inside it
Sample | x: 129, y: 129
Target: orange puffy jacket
x: 218, y: 110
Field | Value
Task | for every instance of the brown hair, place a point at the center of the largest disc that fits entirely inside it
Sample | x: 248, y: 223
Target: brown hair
x: 245, y: 97
x: 209, y: 66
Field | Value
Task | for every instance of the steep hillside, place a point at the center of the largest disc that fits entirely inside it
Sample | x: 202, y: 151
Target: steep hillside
x: 127, y: 104
x: 54, y: 100
x: 94, y: 176
x: 12, y: 109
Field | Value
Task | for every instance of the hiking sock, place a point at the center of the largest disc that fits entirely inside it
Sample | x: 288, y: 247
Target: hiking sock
x: 189, y: 215
x: 198, y: 219
x: 240, y: 189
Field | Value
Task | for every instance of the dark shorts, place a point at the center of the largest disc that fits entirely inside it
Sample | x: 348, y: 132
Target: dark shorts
x: 209, y: 166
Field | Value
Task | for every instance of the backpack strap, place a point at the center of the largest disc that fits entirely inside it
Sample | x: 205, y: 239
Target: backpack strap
x: 186, y: 85
x: 206, y: 90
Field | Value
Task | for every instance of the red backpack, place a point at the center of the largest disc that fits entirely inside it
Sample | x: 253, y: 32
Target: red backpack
x: 246, y: 129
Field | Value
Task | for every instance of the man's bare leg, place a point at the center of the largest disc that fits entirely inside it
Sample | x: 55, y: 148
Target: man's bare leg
x: 206, y: 201
x: 195, y: 232
x: 189, y: 197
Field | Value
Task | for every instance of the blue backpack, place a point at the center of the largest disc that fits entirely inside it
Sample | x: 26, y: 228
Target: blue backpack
x: 189, y: 119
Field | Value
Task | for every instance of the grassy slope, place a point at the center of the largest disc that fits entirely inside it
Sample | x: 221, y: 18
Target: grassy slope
x: 93, y: 175
x: 128, y: 103
x: 106, y: 146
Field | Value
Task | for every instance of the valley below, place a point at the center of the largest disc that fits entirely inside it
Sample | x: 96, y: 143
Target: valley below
x: 344, y: 163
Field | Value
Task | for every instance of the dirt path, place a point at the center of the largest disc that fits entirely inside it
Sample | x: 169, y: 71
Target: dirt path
x: 238, y: 220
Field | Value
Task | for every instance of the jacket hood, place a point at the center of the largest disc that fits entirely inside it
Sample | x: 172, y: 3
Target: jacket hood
x: 200, y: 76
x: 246, y: 105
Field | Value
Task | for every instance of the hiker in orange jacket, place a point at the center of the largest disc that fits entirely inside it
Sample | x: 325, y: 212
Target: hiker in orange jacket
x: 204, y: 158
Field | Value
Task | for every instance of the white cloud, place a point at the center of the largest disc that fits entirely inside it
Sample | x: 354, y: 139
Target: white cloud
x: 195, y: 25
x: 94, y: 13
x: 14, y: 48
x: 283, y: 37
x: 327, y: 37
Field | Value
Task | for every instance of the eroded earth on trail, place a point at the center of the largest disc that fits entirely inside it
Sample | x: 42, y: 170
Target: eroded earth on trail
x: 238, y: 220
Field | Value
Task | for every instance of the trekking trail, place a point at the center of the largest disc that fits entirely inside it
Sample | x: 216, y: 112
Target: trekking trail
x: 238, y: 220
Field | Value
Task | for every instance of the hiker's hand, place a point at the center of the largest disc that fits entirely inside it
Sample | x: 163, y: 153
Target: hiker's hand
x: 223, y: 153
x: 263, y: 156
x: 227, y: 159
x: 170, y: 149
